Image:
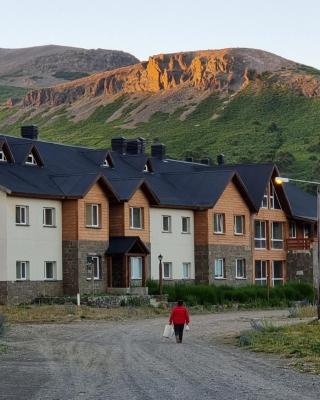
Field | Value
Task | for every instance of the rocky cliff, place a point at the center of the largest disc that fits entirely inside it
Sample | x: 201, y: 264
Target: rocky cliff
x: 226, y: 70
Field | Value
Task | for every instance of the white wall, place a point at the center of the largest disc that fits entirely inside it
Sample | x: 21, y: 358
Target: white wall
x: 34, y: 243
x: 176, y: 247
x: 3, y: 236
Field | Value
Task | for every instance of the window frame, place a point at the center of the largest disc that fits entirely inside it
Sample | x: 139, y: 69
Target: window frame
x: 169, y: 264
x: 244, y: 275
x: 26, y: 208
x: 135, y: 277
x: 53, y: 210
x: 223, y: 269
x: 264, y: 278
x: 273, y: 240
x: 33, y: 160
x: 292, y: 224
x: 309, y: 236
x: 132, y: 217
x: 274, y: 198
x: 265, y: 200
x: 188, y: 219
x: 188, y: 266
x: 273, y: 279
x: 54, y: 271
x: 217, y: 223
x: 93, y: 206
x: 96, y: 269
x: 169, y: 230
x: 242, y: 225
x: 262, y: 238
x: 26, y: 270
x: 3, y: 157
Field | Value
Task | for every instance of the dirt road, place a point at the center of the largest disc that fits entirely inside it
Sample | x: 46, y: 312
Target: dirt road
x: 130, y: 360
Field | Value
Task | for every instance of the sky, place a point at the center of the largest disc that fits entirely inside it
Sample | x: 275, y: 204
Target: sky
x: 289, y: 28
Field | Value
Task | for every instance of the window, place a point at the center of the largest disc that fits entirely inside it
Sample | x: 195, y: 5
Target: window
x: 219, y: 269
x: 167, y: 270
x: 276, y: 235
x: 50, y: 270
x: 22, y: 215
x: 94, y: 267
x: 136, y: 267
x: 31, y: 160
x: 166, y: 223
x: 2, y: 156
x: 292, y: 230
x: 260, y: 241
x: 135, y: 218
x: 264, y: 203
x: 185, y: 224
x: 277, y: 273
x: 218, y: 223
x: 106, y: 163
x: 49, y: 216
x: 260, y: 269
x: 241, y: 272
x: 239, y: 224
x: 274, y: 202
x: 22, y: 270
x: 307, y: 231
x: 186, y: 270
x: 93, y: 215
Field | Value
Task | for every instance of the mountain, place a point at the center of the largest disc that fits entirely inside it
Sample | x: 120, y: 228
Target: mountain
x: 42, y: 66
x: 249, y: 104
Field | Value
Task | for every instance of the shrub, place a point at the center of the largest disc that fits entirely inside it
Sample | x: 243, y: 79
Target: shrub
x: 2, y: 320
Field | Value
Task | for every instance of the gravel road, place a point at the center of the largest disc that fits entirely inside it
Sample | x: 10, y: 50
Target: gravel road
x: 130, y: 360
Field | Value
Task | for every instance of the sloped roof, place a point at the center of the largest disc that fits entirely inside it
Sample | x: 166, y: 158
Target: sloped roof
x: 126, y: 245
x: 303, y: 205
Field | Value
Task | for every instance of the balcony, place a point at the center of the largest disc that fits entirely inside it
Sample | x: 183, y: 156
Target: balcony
x: 299, y: 244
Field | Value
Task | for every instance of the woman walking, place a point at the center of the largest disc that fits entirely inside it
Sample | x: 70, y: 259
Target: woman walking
x: 179, y: 316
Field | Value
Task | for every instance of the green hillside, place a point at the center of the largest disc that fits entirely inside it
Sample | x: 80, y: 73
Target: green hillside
x: 266, y: 125
x: 11, y: 91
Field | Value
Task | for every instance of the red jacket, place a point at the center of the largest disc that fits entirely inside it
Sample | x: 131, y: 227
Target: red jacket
x: 179, y: 315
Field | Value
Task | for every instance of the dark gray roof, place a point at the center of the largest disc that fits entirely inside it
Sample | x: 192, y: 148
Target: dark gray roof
x: 126, y: 245
x: 303, y: 205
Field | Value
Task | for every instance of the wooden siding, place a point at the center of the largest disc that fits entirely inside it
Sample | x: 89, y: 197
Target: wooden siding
x: 73, y: 217
x: 116, y: 220
x: 230, y: 203
x: 139, y: 199
x: 201, y: 228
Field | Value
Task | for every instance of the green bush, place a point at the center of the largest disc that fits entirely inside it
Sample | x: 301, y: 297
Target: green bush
x: 200, y: 294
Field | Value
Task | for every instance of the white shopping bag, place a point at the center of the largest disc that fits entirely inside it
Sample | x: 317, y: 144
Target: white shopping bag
x: 168, y: 331
x: 187, y: 328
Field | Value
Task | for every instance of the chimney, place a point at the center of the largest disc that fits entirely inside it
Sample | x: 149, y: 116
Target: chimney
x: 158, y: 150
x: 29, y: 132
x: 220, y: 159
x: 189, y: 159
x: 205, y: 161
x: 143, y: 144
x: 119, y: 144
x: 134, y: 146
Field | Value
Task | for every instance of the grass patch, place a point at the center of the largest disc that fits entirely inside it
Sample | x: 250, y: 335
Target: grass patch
x: 300, y: 342
x: 249, y: 296
x: 11, y: 91
x: 70, y: 75
x: 70, y: 313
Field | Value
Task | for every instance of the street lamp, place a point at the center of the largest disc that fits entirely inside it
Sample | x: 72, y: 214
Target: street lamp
x: 160, y: 257
x: 279, y: 180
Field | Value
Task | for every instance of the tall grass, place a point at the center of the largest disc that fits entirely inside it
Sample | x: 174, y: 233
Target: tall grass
x: 199, y: 294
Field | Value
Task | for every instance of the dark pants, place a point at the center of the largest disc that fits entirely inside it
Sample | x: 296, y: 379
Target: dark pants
x: 178, y: 330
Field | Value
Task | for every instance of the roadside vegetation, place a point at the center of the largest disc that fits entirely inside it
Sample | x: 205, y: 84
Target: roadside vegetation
x: 245, y: 296
x: 300, y: 342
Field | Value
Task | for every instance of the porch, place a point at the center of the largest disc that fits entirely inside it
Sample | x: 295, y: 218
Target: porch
x: 297, y: 244
x: 126, y: 261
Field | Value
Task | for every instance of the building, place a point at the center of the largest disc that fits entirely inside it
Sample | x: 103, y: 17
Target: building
x: 78, y: 220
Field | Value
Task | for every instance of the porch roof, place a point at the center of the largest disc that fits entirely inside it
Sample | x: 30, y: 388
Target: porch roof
x: 126, y: 245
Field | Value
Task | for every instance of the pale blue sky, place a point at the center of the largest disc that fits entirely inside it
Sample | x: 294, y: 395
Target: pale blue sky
x: 146, y: 27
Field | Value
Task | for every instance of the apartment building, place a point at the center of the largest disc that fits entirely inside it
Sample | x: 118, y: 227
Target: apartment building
x: 78, y: 220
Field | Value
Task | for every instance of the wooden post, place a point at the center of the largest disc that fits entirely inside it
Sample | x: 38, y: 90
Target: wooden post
x: 128, y: 272
x: 109, y: 266
x: 124, y: 269
x: 143, y: 271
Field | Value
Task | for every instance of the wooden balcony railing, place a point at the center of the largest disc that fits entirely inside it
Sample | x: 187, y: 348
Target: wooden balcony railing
x: 298, y: 244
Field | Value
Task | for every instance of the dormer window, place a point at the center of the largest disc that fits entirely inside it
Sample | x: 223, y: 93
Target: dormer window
x: 31, y: 160
x: 147, y: 167
x: 106, y: 163
x: 2, y: 157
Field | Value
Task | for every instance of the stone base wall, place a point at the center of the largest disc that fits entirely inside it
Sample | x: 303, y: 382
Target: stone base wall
x: 300, y: 266
x: 26, y: 291
x: 3, y: 292
x: 70, y: 267
x: 204, y: 263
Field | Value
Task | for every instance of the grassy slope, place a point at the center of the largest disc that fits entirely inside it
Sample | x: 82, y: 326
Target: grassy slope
x: 271, y: 125
x: 10, y: 91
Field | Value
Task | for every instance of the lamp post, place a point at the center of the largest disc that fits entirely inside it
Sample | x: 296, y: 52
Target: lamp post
x: 160, y: 257
x: 280, y: 180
